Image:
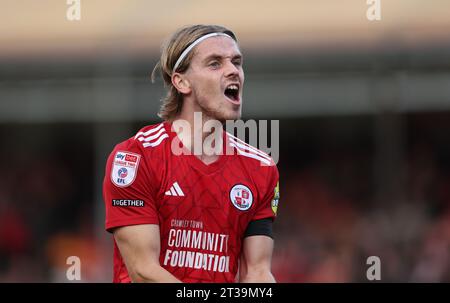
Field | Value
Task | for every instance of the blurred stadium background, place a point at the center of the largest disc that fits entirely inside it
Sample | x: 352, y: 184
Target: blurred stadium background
x: 364, y: 110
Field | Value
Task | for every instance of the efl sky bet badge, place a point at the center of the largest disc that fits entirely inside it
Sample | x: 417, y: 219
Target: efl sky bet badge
x: 241, y: 197
x: 124, y: 169
x: 276, y: 197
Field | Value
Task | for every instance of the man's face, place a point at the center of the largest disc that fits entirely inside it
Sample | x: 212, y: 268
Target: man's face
x: 216, y: 77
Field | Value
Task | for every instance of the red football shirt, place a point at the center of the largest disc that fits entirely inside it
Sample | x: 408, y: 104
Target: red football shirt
x: 202, y: 210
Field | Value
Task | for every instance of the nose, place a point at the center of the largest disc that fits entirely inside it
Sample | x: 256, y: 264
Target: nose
x: 231, y: 70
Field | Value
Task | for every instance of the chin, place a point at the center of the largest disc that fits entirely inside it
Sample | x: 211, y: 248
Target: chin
x: 223, y: 117
x: 223, y: 113
x: 235, y: 116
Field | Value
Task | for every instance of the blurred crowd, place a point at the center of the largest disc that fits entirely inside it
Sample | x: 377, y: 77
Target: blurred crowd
x: 47, y: 204
x: 326, y: 236
x: 331, y: 217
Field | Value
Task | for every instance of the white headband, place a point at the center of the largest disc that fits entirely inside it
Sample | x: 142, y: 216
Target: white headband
x: 190, y: 47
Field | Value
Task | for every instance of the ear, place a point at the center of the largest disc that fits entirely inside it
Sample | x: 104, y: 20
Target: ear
x: 181, y: 83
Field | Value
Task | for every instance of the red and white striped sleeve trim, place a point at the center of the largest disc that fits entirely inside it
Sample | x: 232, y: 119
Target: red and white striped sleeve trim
x: 152, y: 137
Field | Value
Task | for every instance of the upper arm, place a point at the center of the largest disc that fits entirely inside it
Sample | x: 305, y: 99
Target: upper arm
x: 128, y: 189
x: 139, y: 246
x: 256, y: 259
x: 270, y: 194
x: 257, y: 246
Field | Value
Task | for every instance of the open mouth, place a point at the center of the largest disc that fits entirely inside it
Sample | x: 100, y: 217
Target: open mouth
x: 232, y: 92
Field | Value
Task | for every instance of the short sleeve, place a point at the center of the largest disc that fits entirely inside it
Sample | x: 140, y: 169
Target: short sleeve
x: 127, y: 193
x: 268, y: 206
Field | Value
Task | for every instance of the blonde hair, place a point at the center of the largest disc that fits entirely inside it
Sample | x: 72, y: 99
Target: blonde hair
x: 170, y: 52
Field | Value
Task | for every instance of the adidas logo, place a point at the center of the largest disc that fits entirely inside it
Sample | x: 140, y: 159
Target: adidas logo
x: 175, y: 190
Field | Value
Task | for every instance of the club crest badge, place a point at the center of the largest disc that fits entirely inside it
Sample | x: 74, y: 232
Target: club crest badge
x: 241, y: 196
x: 124, y: 168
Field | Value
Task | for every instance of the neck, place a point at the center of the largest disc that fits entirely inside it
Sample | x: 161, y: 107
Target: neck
x: 200, y: 134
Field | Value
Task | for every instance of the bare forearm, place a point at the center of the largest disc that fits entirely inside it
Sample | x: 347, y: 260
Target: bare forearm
x: 258, y: 277
x: 153, y: 274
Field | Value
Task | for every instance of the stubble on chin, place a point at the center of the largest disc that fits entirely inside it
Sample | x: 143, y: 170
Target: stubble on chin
x: 220, y: 113
x: 223, y: 115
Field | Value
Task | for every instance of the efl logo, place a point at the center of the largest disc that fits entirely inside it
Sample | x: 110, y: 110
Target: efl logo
x: 122, y: 173
x: 124, y: 168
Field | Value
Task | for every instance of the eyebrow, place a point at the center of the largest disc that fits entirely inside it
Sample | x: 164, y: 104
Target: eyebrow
x: 219, y: 57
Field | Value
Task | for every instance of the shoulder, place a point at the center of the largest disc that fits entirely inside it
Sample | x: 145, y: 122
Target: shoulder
x: 250, y: 155
x: 137, y: 157
x: 146, y: 139
x: 148, y: 142
x: 151, y: 136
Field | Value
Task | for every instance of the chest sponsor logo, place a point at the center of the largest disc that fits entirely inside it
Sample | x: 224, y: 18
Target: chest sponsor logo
x: 124, y: 168
x: 241, y: 196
